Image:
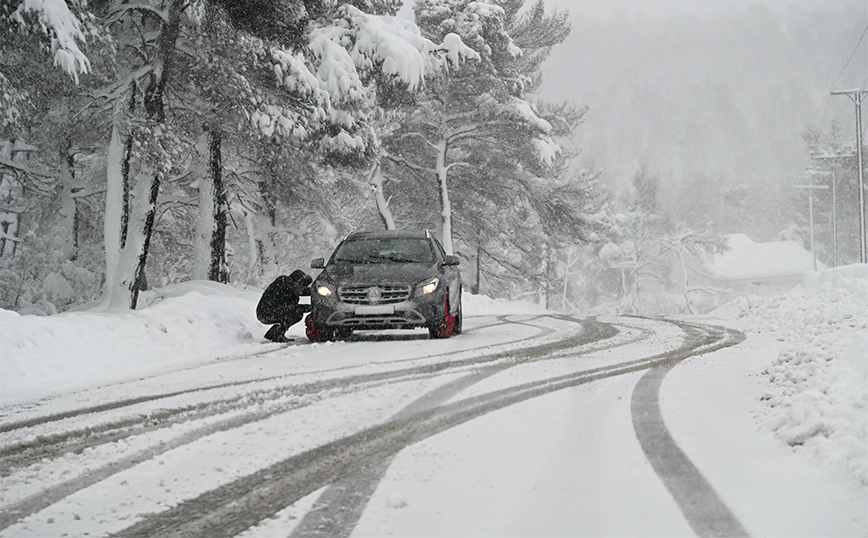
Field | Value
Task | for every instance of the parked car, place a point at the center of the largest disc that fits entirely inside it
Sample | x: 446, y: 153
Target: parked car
x: 385, y: 280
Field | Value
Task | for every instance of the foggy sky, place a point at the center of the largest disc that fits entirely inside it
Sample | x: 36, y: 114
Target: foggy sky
x: 667, y: 8
x: 662, y: 8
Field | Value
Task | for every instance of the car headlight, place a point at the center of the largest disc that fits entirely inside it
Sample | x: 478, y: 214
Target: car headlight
x: 323, y: 290
x: 428, y: 286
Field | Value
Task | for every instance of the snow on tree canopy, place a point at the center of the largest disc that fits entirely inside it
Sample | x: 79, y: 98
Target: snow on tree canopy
x: 337, y: 71
x: 63, y: 27
x: 292, y: 72
x: 398, y: 46
x: 359, y: 44
x: 546, y: 149
x: 340, y: 57
x: 524, y: 111
x: 480, y: 24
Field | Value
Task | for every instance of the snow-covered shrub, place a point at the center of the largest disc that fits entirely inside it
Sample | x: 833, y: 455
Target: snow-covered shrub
x: 817, y: 399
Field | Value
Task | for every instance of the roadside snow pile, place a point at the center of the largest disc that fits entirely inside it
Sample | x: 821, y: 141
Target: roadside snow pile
x: 177, y: 326
x: 481, y: 305
x: 818, y: 399
x: 182, y: 324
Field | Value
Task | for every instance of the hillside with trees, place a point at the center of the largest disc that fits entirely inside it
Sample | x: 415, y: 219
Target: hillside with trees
x: 715, y: 104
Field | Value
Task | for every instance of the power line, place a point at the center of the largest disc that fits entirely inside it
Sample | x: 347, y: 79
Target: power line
x: 852, y: 53
x: 847, y: 63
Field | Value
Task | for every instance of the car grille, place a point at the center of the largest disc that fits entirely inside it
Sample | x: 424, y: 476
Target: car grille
x: 389, y: 294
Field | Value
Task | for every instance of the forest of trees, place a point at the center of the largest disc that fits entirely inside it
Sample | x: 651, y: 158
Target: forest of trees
x: 144, y: 144
x: 148, y: 143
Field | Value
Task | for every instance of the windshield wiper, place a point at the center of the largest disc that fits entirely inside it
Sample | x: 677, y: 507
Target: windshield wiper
x: 391, y: 258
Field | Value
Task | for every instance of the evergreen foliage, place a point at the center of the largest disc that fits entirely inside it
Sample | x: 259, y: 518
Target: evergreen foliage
x: 235, y: 141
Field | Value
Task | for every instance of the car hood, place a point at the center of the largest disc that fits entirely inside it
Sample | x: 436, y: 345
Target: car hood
x: 378, y: 273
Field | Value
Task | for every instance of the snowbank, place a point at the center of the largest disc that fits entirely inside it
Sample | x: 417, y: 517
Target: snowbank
x: 183, y: 324
x: 818, y: 385
x: 180, y: 325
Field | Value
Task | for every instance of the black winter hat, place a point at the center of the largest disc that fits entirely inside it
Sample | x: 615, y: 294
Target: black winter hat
x: 301, y: 277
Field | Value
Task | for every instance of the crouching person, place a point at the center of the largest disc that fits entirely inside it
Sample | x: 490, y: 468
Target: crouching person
x: 279, y: 304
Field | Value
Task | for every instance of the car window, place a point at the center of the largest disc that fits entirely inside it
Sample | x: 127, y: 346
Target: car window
x: 397, y: 250
x: 440, y: 248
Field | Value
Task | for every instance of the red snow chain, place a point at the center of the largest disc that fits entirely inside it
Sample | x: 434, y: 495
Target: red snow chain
x: 314, y: 334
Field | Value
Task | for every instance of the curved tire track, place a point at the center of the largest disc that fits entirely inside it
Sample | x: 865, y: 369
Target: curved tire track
x: 24, y: 454
x: 57, y: 444
x: 238, y: 505
x: 702, y: 507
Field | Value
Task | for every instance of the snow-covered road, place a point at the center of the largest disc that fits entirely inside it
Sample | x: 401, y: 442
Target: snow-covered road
x: 529, y: 423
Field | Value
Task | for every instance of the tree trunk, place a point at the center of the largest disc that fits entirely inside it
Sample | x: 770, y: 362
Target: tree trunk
x: 205, y: 218
x: 476, y: 284
x: 114, y: 228
x: 129, y: 276
x: 68, y: 210
x: 685, y: 280
x: 376, y: 180
x: 140, y: 282
x: 218, y: 270
x: 445, y: 205
x: 210, y: 240
x: 122, y: 289
x: 252, y: 245
x: 125, y: 190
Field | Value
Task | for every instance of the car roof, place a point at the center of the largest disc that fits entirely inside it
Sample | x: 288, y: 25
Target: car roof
x: 389, y: 234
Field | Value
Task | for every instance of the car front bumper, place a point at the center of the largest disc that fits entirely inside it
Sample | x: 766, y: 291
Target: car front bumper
x: 418, y: 311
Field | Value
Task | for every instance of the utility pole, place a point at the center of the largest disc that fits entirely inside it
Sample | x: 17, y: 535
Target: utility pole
x: 811, y: 188
x: 856, y: 95
x: 832, y: 160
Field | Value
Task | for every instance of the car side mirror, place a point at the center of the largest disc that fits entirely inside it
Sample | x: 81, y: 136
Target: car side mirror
x: 451, y: 260
x: 317, y: 263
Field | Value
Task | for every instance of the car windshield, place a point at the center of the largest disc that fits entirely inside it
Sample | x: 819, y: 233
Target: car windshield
x: 397, y: 250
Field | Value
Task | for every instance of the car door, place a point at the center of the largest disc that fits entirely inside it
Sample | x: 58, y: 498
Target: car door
x: 451, y: 275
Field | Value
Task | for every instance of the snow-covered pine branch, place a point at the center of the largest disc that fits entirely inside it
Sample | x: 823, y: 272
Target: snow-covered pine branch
x: 340, y: 58
x: 64, y: 30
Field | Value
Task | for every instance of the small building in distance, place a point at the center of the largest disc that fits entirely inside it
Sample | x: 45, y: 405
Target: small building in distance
x: 747, y: 263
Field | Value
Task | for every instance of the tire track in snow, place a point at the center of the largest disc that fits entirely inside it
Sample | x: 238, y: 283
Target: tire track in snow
x: 340, y: 506
x: 702, y: 507
x: 243, y: 503
x: 151, y: 397
x: 73, y: 440
x: 55, y: 446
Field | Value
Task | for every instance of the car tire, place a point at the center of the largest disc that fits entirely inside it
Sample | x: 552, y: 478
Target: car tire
x: 315, y: 334
x: 459, y: 318
x: 445, y: 326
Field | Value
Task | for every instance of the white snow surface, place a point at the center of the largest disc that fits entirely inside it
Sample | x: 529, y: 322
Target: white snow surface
x: 182, y: 326
x: 817, y: 394
x: 777, y: 423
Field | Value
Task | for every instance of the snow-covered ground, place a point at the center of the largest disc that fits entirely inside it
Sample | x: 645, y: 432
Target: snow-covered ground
x: 817, y: 394
x: 788, y: 407
x: 184, y: 325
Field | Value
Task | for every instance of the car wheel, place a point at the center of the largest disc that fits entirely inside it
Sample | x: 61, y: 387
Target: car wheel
x: 446, y: 325
x: 315, y: 334
x: 459, y: 318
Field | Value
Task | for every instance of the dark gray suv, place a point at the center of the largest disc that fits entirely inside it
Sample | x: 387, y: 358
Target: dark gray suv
x: 385, y: 280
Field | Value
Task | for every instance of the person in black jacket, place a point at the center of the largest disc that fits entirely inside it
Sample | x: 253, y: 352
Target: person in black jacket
x: 279, y: 304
